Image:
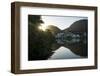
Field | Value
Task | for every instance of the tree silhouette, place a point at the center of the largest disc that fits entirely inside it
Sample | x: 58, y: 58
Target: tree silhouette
x: 39, y: 42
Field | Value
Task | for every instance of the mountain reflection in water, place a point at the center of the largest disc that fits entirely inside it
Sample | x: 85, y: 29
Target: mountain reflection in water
x: 64, y: 53
x: 54, y: 43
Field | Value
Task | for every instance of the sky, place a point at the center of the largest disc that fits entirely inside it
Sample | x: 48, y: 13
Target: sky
x: 61, y: 22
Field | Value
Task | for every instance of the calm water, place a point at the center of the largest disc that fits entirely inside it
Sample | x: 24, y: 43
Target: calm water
x: 64, y: 53
x: 54, y: 43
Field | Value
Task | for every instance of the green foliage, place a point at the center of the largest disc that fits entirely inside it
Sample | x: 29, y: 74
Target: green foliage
x: 35, y: 19
x: 39, y: 42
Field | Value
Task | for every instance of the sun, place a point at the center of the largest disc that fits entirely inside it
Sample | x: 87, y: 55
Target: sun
x: 43, y: 27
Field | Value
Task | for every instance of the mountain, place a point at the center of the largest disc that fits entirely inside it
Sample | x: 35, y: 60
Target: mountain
x: 53, y: 29
x: 75, y: 35
x: 78, y: 26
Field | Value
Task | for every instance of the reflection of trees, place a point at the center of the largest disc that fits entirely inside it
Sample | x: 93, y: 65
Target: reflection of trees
x: 42, y: 44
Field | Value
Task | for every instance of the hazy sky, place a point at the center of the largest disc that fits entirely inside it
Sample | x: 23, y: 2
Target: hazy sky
x: 61, y: 22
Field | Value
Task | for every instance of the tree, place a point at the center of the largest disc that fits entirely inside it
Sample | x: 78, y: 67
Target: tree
x: 39, y: 42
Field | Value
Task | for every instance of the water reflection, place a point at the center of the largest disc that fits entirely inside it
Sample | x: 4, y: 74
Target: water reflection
x: 64, y: 53
x: 55, y: 43
x: 75, y: 48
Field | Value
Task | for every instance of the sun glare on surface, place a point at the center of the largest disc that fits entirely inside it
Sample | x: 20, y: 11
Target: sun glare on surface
x: 43, y: 27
